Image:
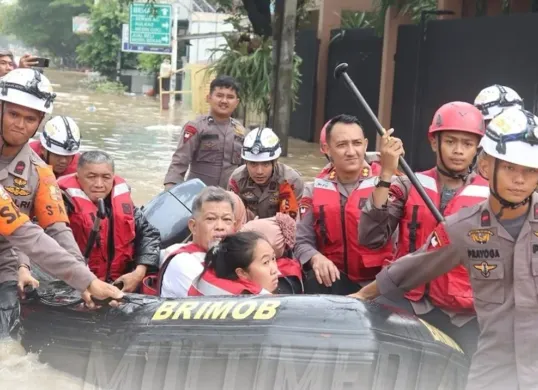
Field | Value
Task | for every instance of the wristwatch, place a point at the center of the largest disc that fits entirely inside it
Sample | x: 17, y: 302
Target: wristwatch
x: 381, y: 183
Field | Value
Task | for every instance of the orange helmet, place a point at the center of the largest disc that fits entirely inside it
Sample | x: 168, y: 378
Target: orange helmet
x: 458, y: 116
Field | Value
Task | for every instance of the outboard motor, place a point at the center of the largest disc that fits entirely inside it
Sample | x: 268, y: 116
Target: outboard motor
x: 170, y: 211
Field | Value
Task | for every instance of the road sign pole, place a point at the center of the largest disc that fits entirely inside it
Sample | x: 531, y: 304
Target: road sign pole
x: 175, y: 12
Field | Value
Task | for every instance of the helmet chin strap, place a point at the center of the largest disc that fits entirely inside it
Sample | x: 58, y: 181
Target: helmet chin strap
x: 505, y: 204
x: 444, y: 170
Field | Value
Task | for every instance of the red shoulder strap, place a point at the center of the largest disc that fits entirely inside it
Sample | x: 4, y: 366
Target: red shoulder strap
x: 190, y: 248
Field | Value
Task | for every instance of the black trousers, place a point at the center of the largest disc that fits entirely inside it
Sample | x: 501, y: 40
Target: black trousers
x: 344, y: 286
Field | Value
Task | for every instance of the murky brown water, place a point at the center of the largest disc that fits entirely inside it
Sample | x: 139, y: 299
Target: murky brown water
x: 139, y: 137
x: 142, y: 141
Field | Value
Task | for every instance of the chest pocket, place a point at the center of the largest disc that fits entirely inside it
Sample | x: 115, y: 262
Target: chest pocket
x: 487, y: 279
x: 209, y: 151
x: 236, y: 152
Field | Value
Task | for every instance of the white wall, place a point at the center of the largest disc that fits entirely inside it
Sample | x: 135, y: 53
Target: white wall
x: 206, y: 23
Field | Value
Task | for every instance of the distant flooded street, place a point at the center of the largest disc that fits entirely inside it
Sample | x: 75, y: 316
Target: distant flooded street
x: 139, y: 137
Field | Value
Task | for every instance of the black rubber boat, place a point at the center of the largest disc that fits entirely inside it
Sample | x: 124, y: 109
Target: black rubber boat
x: 249, y: 342
x: 278, y: 342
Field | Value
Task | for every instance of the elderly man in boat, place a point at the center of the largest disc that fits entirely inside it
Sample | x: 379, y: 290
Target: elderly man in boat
x: 214, y: 216
x: 126, y: 246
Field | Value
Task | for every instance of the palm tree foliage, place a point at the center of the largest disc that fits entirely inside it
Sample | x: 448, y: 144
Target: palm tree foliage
x: 249, y: 60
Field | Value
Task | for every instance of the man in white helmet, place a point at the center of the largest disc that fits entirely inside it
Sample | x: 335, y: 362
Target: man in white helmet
x: 497, y: 241
x: 25, y: 97
x: 265, y: 185
x: 59, y: 145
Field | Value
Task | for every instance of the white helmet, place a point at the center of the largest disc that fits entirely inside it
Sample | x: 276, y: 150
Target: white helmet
x: 495, y: 99
x: 261, y: 145
x: 61, y: 136
x: 512, y: 136
x: 29, y: 88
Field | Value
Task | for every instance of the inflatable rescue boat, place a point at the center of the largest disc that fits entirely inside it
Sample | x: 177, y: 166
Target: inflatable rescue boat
x: 246, y: 342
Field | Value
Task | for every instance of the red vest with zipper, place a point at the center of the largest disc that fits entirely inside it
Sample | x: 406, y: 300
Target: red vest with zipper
x: 336, y: 226
x: 451, y: 291
x: 81, y: 222
x: 209, y: 284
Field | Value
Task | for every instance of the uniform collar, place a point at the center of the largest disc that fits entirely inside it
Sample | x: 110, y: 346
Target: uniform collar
x: 20, y: 165
x: 366, y: 173
x: 487, y: 219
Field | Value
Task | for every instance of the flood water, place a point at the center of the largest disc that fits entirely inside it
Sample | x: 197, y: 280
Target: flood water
x: 142, y: 141
x: 139, y: 137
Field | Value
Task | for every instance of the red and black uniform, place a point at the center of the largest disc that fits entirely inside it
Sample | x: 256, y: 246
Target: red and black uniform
x: 452, y: 290
x: 336, y: 226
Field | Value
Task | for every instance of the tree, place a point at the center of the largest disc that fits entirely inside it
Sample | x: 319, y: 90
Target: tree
x: 101, y: 48
x: 248, y: 53
x: 44, y: 24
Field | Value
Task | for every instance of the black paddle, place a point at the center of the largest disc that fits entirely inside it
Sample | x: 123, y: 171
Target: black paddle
x: 341, y: 71
x: 101, y: 214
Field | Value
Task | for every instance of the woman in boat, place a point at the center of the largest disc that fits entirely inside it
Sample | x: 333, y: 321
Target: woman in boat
x: 242, y: 263
x: 280, y: 233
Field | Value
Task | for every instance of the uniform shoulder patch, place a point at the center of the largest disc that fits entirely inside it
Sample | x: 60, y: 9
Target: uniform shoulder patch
x: 395, y: 193
x: 439, y: 238
x: 238, y: 128
x: 189, y: 131
x: 234, y: 187
x: 305, y: 204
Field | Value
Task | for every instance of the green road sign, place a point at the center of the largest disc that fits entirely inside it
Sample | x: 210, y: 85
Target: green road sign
x: 149, y: 26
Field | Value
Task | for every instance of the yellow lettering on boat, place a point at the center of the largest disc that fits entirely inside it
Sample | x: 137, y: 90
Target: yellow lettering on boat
x: 237, y: 314
x: 218, y: 310
x: 164, y: 311
x: 184, y: 310
x: 441, y: 337
x: 201, y: 310
x: 267, y: 310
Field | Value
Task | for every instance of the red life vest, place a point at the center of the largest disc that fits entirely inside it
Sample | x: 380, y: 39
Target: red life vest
x: 290, y: 267
x: 71, y: 168
x: 451, y: 291
x: 152, y: 284
x: 81, y: 222
x: 209, y: 284
x: 336, y: 228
